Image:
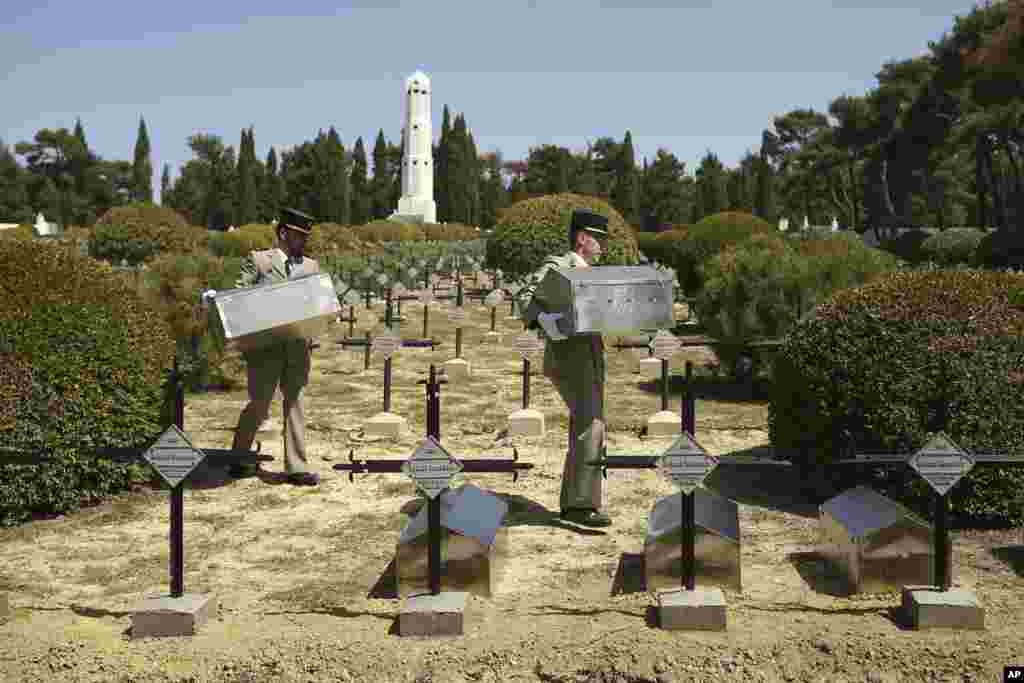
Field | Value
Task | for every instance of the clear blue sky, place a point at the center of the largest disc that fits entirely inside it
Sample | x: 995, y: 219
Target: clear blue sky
x: 685, y: 75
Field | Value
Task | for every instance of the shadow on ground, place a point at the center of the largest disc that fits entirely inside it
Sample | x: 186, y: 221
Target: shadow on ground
x: 522, y: 511
x: 771, y: 487
x: 1012, y: 555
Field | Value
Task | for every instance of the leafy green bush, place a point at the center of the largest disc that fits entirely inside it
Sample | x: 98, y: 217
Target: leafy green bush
x: 450, y: 232
x: 953, y: 246
x: 239, y: 243
x: 380, y: 231
x: 117, y: 244
x: 333, y: 238
x: 904, y: 342
x: 1001, y: 249
x: 84, y: 364
x: 532, y: 229
x: 708, y: 237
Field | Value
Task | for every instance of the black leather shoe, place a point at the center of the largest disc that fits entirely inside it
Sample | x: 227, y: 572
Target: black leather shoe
x: 240, y: 471
x: 585, y: 517
x: 304, y: 478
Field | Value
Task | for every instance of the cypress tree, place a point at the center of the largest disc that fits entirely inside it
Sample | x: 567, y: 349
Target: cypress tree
x: 245, y: 191
x: 142, y: 167
x: 165, y: 184
x: 380, y: 185
x: 359, y: 186
x: 626, y: 191
x: 272, y: 189
x: 441, y: 192
x: 473, y: 180
x: 456, y: 175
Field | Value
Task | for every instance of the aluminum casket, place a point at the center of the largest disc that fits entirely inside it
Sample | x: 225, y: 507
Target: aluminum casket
x: 253, y: 317
x: 877, y: 544
x: 474, y: 544
x: 716, y: 550
x: 613, y: 300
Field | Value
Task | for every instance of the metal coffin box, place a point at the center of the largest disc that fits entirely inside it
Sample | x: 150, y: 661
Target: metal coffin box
x: 613, y: 300
x: 474, y: 544
x: 716, y: 549
x: 254, y: 317
x: 876, y: 544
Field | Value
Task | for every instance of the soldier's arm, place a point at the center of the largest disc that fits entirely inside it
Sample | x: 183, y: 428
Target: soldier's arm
x: 528, y: 302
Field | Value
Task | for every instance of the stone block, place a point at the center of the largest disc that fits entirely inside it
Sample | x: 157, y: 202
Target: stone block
x: 5, y: 606
x: 928, y: 607
x: 492, y: 338
x: 526, y: 422
x: 387, y: 425
x: 702, y: 609
x: 664, y: 423
x: 162, y: 615
x: 649, y: 368
x: 457, y: 370
x: 424, y: 614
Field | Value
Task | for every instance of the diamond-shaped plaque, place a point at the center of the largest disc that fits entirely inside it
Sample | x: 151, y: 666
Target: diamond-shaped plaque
x: 494, y: 298
x: 528, y: 344
x: 941, y: 463
x: 173, y: 456
x: 665, y: 345
x: 431, y: 467
x: 686, y: 464
x: 387, y: 344
x: 352, y: 298
x: 398, y: 289
x: 457, y: 315
x: 426, y: 297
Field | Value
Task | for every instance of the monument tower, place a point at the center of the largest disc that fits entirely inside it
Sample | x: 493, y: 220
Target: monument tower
x: 416, y: 204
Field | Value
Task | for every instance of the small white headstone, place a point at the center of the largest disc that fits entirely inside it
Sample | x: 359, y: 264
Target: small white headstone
x: 783, y: 224
x: 806, y: 223
x: 835, y: 224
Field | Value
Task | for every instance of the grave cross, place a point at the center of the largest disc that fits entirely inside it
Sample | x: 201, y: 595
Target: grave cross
x: 431, y: 467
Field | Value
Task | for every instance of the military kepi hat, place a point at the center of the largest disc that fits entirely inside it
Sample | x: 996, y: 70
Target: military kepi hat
x: 588, y: 221
x: 296, y: 220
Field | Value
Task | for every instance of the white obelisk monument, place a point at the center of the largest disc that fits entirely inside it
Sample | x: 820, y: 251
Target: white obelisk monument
x: 416, y: 205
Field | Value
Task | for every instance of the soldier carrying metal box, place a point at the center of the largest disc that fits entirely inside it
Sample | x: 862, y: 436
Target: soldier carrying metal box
x: 284, y: 362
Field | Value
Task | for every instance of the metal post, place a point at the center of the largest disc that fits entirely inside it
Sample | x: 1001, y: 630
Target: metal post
x: 426, y: 319
x: 387, y: 385
x: 458, y: 342
x: 688, y: 406
x: 367, y: 297
x: 664, y: 384
x: 434, y: 529
x: 941, y: 545
x: 688, y: 539
x: 177, y: 539
x: 387, y: 309
x: 366, y: 352
x: 351, y: 321
x: 494, y: 313
x: 526, y: 383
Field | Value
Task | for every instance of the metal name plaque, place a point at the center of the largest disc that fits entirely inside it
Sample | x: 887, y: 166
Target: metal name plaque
x: 665, y: 345
x: 426, y: 297
x: 387, y: 344
x: 457, y: 314
x: 494, y: 298
x: 431, y: 468
x: 686, y: 464
x: 173, y: 456
x: 941, y: 463
x: 352, y: 298
x: 528, y: 344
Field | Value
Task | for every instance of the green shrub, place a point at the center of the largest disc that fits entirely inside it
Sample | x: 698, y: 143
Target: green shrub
x: 332, y: 238
x: 239, y: 243
x: 117, y: 244
x: 1001, y: 249
x: 84, y: 367
x: 450, y: 232
x: 532, y: 229
x: 143, y: 229
x: 953, y: 246
x: 906, y: 341
x: 708, y: 237
x: 380, y: 231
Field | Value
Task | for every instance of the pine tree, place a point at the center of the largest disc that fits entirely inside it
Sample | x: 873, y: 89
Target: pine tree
x: 456, y: 174
x: 14, y: 202
x: 165, y: 184
x: 494, y: 196
x: 711, y: 184
x: 359, y: 185
x: 272, y: 189
x: 336, y: 182
x: 80, y: 132
x: 441, y: 192
x: 473, y: 180
x: 380, y: 185
x: 246, y: 200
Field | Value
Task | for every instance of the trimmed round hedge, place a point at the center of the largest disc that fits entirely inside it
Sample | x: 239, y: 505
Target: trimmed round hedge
x: 140, y: 231
x: 532, y: 229
x: 84, y: 361
x: 878, y: 359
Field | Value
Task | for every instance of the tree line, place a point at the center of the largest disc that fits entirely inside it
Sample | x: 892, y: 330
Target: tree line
x: 937, y: 143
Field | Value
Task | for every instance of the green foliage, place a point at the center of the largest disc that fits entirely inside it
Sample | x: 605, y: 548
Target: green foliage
x: 449, y: 232
x: 142, y: 231
x: 332, y: 238
x: 84, y: 361
x: 1001, y: 249
x: 952, y: 246
x: 387, y: 231
x: 905, y: 341
x: 532, y: 229
x: 239, y: 243
x: 708, y: 237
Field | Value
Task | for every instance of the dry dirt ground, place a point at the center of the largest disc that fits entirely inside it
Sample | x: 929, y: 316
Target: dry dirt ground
x: 300, y: 575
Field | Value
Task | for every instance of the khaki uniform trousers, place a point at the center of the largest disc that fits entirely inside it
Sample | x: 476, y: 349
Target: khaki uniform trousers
x: 286, y: 365
x: 576, y: 368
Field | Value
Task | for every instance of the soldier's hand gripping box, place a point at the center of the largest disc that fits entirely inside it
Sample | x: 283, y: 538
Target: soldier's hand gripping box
x: 254, y: 317
x: 611, y: 300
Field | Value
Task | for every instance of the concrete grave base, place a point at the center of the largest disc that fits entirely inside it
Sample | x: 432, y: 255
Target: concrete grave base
x: 702, y: 609
x: 424, y: 614
x: 457, y: 369
x: 162, y: 615
x: 928, y: 607
x: 526, y: 422
x: 387, y: 425
x: 5, y: 606
x: 664, y: 423
x: 649, y: 368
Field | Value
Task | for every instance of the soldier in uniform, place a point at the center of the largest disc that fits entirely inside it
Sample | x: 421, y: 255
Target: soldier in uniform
x: 286, y: 363
x: 576, y: 366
